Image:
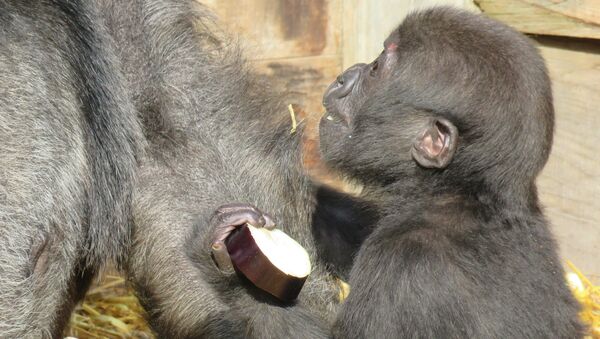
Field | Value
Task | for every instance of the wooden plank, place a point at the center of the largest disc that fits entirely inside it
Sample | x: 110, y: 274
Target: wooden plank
x: 570, y: 183
x: 575, y: 18
x: 275, y: 29
x: 367, y: 24
x: 304, y: 79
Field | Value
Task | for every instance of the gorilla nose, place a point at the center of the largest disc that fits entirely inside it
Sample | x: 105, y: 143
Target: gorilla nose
x: 350, y: 76
x: 346, y: 81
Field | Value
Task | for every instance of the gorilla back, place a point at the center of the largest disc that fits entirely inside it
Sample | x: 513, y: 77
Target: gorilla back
x: 68, y: 138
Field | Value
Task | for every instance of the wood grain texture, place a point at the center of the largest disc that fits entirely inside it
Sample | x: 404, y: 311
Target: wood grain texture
x: 275, y: 29
x: 304, y: 79
x: 570, y: 183
x: 575, y: 18
x: 366, y: 24
x: 295, y: 44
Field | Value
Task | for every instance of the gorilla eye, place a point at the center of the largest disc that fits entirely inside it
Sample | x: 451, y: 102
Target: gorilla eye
x: 374, y: 68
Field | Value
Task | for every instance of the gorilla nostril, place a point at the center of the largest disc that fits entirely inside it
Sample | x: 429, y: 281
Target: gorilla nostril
x: 344, y: 83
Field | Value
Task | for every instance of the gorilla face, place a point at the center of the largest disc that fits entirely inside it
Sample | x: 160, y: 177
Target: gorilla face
x: 348, y: 94
x: 408, y: 109
x: 376, y: 121
x: 350, y: 90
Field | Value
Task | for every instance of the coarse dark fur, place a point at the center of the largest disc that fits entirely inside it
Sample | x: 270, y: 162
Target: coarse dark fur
x: 139, y: 116
x: 68, y: 140
x: 462, y: 249
x: 216, y: 135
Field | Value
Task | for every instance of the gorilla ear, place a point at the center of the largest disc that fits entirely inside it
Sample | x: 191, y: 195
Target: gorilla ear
x: 436, y: 144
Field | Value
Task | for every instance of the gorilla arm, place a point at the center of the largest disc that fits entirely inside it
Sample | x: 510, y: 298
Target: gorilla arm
x: 408, y: 286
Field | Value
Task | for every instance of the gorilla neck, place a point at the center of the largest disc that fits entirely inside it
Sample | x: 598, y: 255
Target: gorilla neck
x: 427, y: 189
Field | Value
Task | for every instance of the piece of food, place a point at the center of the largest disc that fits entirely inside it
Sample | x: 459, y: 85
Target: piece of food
x: 271, y: 260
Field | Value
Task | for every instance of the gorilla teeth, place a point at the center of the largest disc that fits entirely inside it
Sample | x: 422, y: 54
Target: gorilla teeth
x: 329, y: 117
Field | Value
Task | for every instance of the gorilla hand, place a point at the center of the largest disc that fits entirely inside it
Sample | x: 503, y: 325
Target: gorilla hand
x: 224, y: 221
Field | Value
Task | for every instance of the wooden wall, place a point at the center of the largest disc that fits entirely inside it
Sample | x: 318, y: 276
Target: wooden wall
x: 303, y: 44
x: 297, y: 43
x: 367, y: 23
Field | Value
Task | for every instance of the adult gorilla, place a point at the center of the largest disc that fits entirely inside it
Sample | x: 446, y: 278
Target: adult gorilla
x: 97, y: 93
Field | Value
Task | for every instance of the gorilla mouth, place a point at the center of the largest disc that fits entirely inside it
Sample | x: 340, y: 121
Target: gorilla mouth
x: 334, y: 116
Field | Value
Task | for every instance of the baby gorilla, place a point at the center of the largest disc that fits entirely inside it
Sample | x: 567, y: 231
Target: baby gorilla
x: 448, y: 129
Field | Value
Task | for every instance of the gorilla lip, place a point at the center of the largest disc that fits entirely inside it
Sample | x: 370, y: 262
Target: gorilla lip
x: 271, y: 260
x: 335, y: 117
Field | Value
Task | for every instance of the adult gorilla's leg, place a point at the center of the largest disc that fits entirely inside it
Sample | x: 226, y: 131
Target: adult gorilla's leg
x: 214, y: 137
x: 42, y: 164
x: 186, y: 295
x: 176, y: 293
x: 67, y: 145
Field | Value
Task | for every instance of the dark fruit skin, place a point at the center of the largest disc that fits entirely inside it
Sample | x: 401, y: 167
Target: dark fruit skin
x: 248, y: 260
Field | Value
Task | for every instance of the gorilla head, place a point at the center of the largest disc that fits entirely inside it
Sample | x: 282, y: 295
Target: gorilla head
x: 452, y: 96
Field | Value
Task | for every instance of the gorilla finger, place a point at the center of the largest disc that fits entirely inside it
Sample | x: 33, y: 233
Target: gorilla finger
x: 235, y: 207
x: 222, y: 232
x: 238, y: 218
x: 221, y: 257
x: 269, y: 222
